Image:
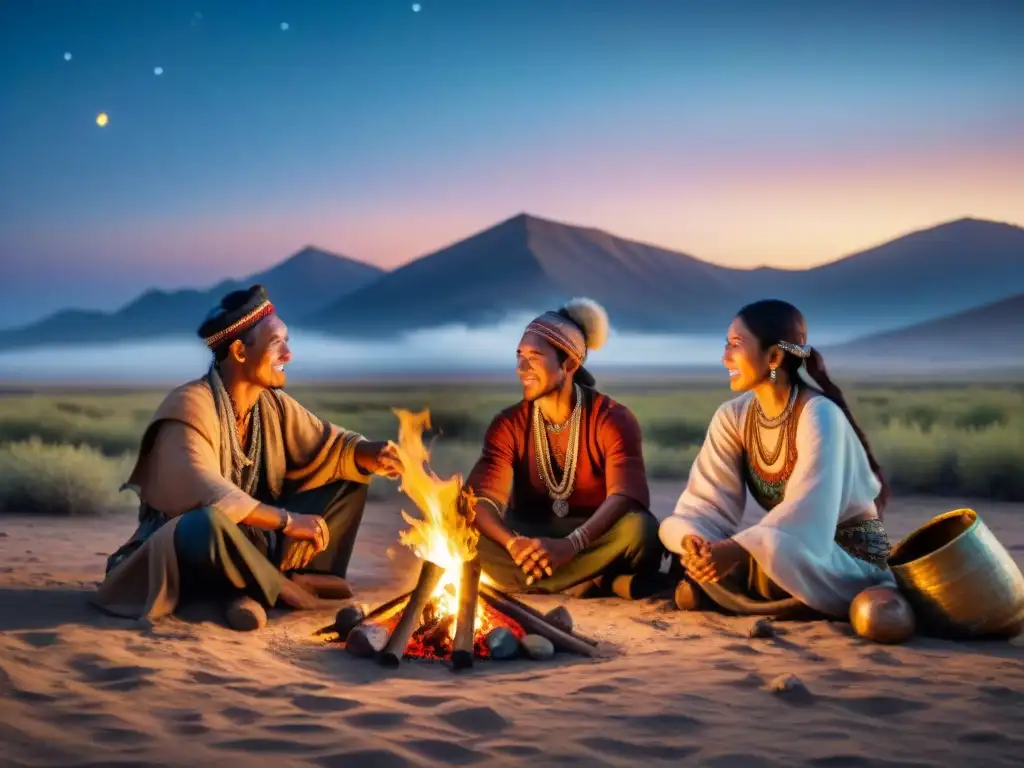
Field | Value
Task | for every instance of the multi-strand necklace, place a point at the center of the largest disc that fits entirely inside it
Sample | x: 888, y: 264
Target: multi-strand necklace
x: 560, y: 491
x: 770, y: 486
x: 245, y: 464
x: 768, y: 458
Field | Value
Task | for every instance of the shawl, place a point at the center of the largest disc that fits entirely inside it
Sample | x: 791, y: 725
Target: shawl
x: 182, y: 465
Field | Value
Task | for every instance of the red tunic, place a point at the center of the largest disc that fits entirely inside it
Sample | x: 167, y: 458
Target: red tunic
x: 610, y: 461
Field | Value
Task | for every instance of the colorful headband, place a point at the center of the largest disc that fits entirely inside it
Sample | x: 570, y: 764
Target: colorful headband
x: 562, y: 333
x: 242, y: 324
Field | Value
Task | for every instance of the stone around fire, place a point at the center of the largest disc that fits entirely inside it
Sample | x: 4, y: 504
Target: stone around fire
x: 537, y: 647
x: 502, y: 644
x: 560, y: 617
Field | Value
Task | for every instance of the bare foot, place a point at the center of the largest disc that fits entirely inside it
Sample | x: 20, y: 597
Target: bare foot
x: 323, y: 585
x: 295, y: 596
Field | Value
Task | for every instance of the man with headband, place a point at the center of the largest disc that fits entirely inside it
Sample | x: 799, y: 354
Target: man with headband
x: 245, y: 494
x: 560, y: 490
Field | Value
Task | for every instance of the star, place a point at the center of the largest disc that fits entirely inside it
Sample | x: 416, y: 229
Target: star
x: 67, y: 56
x: 416, y: 7
x: 284, y: 26
x: 102, y: 119
x: 158, y: 70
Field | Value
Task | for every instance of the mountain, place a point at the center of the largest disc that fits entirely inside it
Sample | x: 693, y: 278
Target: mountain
x: 923, y: 275
x: 527, y: 264
x: 988, y: 336
x: 307, y: 280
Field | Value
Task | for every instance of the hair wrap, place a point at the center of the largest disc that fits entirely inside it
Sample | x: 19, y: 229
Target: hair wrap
x: 562, y: 333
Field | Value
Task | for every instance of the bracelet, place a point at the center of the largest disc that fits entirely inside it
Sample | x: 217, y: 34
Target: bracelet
x: 579, y: 540
x: 287, y: 522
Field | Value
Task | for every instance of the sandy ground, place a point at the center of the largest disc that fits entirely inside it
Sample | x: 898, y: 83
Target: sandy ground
x: 78, y: 688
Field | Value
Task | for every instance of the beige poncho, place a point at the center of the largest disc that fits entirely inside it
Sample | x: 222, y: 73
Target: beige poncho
x: 180, y: 468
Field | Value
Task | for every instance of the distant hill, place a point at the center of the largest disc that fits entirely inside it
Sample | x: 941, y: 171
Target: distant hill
x: 988, y: 336
x: 923, y: 275
x: 301, y: 283
x: 528, y: 263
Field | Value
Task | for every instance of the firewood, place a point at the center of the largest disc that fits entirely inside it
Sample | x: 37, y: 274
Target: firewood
x: 488, y: 589
x: 430, y: 575
x: 537, y: 625
x: 465, y: 624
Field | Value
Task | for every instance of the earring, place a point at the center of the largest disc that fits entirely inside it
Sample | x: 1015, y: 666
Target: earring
x: 772, y: 375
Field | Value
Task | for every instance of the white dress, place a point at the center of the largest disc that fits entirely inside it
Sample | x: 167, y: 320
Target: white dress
x: 794, y: 543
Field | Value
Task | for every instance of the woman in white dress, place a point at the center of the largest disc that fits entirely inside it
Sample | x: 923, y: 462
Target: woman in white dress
x: 790, y: 441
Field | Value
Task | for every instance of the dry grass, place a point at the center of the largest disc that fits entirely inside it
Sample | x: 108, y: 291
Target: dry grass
x: 940, y: 439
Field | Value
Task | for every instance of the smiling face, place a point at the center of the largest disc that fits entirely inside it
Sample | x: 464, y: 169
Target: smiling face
x: 747, y: 363
x: 261, y: 362
x: 539, y: 369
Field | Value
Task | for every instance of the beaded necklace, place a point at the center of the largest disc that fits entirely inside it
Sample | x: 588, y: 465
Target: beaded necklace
x: 767, y: 487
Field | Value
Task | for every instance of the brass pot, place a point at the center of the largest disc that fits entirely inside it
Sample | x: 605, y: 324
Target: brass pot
x: 960, y: 581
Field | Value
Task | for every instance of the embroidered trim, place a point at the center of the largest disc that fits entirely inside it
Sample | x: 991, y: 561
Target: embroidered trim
x: 252, y: 318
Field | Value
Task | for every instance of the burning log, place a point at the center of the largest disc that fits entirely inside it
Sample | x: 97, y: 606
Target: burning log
x: 350, y: 617
x: 535, y: 624
x: 465, y: 623
x: 430, y: 576
x: 487, y: 589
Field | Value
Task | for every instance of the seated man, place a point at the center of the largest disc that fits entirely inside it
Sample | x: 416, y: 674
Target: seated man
x: 561, y: 491
x: 244, y: 493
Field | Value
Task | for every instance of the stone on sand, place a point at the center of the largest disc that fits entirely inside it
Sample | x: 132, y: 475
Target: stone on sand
x: 560, y: 617
x: 788, y: 683
x: 347, y: 619
x: 502, y: 644
x: 762, y: 628
x: 537, y: 648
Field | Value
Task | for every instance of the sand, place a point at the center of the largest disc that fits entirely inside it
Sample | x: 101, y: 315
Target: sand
x: 78, y: 688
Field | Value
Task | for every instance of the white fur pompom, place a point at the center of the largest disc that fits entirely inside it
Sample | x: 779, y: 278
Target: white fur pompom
x: 591, y: 317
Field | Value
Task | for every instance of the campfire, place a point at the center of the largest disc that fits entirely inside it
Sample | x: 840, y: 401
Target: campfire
x: 453, y: 613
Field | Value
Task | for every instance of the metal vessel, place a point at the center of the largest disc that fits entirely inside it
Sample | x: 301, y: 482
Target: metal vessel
x: 960, y: 581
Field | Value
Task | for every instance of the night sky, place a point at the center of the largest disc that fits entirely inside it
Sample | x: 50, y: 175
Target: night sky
x: 786, y: 133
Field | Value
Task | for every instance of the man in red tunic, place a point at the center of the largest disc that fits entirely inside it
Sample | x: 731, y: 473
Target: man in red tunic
x: 561, y: 490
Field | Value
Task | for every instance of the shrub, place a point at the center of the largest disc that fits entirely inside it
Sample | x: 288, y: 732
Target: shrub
x: 62, y: 480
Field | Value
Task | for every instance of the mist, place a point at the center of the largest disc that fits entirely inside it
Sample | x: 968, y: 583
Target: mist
x: 435, y: 352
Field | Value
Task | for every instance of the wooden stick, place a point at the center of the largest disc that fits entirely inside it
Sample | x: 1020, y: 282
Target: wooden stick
x: 353, y: 620
x: 465, y: 622
x: 488, y: 589
x: 562, y: 641
x: 384, y: 611
x: 430, y: 575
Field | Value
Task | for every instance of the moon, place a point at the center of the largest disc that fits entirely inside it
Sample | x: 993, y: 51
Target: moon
x: 416, y: 7
x: 284, y: 26
x: 67, y: 56
x: 102, y: 119
x: 158, y: 70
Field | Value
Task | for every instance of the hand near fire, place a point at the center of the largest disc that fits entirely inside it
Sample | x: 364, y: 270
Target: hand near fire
x: 379, y: 458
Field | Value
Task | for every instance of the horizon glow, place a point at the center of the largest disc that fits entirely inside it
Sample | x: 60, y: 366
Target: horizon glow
x: 745, y: 136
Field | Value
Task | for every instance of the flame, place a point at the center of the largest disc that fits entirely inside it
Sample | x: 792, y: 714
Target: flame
x: 444, y: 534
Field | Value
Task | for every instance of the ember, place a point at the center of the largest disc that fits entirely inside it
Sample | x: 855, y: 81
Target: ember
x: 451, y: 611
x: 433, y: 640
